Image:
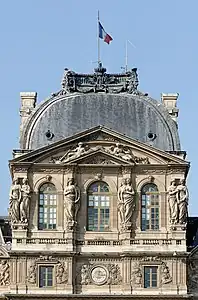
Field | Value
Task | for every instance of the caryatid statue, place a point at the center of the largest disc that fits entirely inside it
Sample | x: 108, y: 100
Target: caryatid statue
x: 182, y: 200
x: 15, y: 199
x: 126, y: 203
x: 178, y: 202
x: 71, y: 203
x: 25, y: 201
x: 173, y: 204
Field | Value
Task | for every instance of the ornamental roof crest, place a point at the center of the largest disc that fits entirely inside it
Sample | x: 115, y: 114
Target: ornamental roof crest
x: 99, y: 81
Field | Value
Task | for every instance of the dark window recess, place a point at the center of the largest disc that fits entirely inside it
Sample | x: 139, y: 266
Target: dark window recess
x: 45, y: 276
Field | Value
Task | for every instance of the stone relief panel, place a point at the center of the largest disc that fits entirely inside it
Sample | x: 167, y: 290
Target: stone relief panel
x: 4, y: 273
x: 137, y: 273
x: 71, y: 204
x: 178, y: 202
x: 99, y: 274
x: 19, y: 203
x: 126, y: 204
x: 118, y: 150
x: 61, y: 270
x: 165, y: 274
x: 32, y: 272
x: 61, y: 273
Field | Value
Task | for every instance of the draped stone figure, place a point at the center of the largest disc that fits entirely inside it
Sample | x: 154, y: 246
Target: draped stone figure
x: 61, y: 273
x: 119, y: 151
x: 126, y: 203
x: 182, y: 200
x: 172, y: 200
x: 25, y: 201
x: 75, y: 153
x: 136, y: 275
x: 15, y: 199
x: 71, y: 203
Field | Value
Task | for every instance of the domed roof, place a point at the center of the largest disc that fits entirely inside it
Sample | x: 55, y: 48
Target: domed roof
x: 71, y: 111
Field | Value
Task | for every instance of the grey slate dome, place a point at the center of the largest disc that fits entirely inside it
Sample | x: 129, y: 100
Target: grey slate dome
x: 114, y: 104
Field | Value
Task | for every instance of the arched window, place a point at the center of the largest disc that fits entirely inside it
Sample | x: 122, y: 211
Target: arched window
x: 47, y: 207
x: 150, y: 207
x: 98, y: 206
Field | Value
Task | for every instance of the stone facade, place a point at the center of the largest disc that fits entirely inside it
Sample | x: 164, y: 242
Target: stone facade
x: 131, y: 256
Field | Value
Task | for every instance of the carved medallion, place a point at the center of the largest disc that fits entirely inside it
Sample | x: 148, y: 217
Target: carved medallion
x: 99, y: 275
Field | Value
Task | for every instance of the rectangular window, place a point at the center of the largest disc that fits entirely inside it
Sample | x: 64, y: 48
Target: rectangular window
x: 45, y: 276
x: 150, y: 277
x: 98, y: 213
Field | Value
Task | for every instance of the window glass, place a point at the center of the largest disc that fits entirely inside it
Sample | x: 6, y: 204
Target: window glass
x: 98, y: 207
x: 150, y: 277
x: 47, y: 207
x: 149, y: 207
x: 45, y: 276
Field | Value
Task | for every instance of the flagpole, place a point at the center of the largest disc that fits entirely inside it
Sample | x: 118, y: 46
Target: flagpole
x: 126, y: 56
x: 98, y: 40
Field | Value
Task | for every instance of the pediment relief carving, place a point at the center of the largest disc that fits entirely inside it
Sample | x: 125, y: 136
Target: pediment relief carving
x: 98, y: 139
x: 117, y: 150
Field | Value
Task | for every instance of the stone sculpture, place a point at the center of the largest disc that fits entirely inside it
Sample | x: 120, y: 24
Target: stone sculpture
x: 165, y: 276
x: 32, y: 273
x: 100, y: 81
x: 172, y: 200
x: 121, y: 152
x: 178, y: 202
x: 114, y: 274
x: 75, y: 153
x: 19, y: 201
x: 25, y: 199
x: 15, y: 199
x: 125, y: 153
x: 4, y: 273
x: 85, y: 275
x: 182, y: 200
x: 61, y: 273
x: 71, y: 203
x: 136, y: 275
x: 126, y: 203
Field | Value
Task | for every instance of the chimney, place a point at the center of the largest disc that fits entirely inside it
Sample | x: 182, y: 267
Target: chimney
x: 170, y: 102
x: 28, y: 103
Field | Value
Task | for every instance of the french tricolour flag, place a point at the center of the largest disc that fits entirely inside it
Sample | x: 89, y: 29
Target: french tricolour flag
x: 103, y: 35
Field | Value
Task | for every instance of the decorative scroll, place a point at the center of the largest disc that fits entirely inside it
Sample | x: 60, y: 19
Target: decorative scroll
x: 99, y: 81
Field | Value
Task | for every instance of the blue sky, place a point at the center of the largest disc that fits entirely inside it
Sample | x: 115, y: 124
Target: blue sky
x: 39, y: 38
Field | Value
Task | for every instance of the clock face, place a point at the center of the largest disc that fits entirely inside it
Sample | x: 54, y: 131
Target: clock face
x: 99, y: 275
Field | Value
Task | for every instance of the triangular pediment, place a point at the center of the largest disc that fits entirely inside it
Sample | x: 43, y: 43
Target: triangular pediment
x: 98, y: 142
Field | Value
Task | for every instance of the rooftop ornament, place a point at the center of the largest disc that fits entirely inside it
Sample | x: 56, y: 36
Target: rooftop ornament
x: 99, y: 81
